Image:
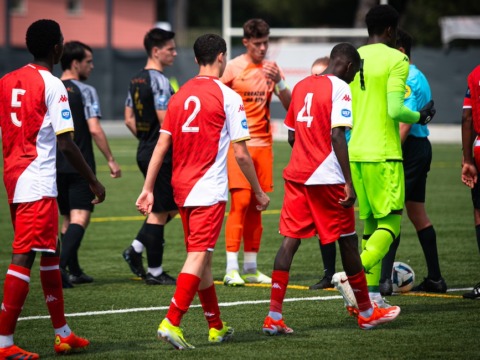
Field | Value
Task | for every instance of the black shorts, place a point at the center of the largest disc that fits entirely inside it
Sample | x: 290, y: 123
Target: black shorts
x: 417, y: 157
x: 162, y: 191
x: 73, y: 193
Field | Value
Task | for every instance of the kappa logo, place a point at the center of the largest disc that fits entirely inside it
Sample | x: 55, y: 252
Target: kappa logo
x: 241, y: 108
x: 346, y: 97
x: 50, y: 298
x: 63, y: 98
x: 208, y: 314
x: 276, y: 286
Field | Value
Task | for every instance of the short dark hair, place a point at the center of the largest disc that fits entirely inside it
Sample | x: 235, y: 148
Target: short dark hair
x: 255, y: 28
x: 405, y: 41
x: 207, y: 47
x: 73, y: 50
x: 347, y: 52
x: 380, y: 17
x: 156, y: 37
x: 42, y: 36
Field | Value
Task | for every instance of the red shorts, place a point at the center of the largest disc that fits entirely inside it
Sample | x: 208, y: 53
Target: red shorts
x: 35, y: 225
x: 202, y: 225
x: 314, y: 209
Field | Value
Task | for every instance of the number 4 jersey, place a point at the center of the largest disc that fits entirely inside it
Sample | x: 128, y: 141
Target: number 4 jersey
x: 202, y: 118
x: 319, y: 103
x: 33, y: 110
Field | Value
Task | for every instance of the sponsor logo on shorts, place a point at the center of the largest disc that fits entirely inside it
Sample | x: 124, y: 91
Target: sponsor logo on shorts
x: 244, y: 124
x: 66, y: 114
x: 346, y: 113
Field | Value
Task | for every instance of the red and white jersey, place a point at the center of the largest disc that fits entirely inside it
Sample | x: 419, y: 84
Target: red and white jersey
x: 319, y: 103
x: 472, y: 97
x: 33, y: 110
x: 203, y: 117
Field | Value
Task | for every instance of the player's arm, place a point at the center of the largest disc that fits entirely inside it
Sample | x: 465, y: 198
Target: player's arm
x: 469, y: 170
x: 101, y: 141
x: 246, y: 165
x: 291, y: 137
x: 272, y: 71
x: 71, y: 151
x: 161, y: 116
x: 129, y: 116
x: 411, y: 103
x: 339, y: 144
x: 145, y: 200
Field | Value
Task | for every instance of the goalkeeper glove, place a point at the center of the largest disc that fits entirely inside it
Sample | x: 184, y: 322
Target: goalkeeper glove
x: 427, y: 113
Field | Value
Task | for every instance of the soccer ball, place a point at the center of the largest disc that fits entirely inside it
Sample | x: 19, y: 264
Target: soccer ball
x: 403, y: 277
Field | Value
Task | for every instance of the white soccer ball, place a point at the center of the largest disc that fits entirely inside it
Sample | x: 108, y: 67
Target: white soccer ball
x: 403, y: 277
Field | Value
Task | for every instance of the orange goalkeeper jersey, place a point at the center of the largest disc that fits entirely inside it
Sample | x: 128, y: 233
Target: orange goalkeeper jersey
x: 248, y: 80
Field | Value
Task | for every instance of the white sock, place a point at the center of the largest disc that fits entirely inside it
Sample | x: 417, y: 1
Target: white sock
x: 155, y: 271
x: 367, y: 313
x: 275, y: 315
x: 232, y: 261
x: 138, y: 246
x: 376, y: 297
x: 6, y: 341
x: 249, y: 262
x: 64, y: 331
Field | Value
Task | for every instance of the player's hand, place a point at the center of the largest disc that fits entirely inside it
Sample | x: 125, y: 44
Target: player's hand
x: 469, y: 174
x: 272, y: 71
x: 263, y: 201
x: 99, y: 190
x: 115, y: 171
x: 144, y: 202
x: 350, y: 196
x: 427, y: 113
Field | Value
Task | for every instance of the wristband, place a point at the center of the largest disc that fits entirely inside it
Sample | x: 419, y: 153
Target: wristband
x: 281, y: 85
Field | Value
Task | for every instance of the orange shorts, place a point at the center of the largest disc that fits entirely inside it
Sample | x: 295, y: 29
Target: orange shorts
x: 35, y: 225
x: 314, y: 209
x: 202, y: 225
x: 262, y: 157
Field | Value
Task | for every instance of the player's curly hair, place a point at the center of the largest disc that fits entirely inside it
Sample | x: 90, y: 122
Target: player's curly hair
x: 255, y: 29
x: 380, y: 17
x: 42, y: 36
x: 156, y: 37
x: 207, y: 47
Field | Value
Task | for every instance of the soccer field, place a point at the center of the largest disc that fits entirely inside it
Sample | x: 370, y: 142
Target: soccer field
x: 120, y: 315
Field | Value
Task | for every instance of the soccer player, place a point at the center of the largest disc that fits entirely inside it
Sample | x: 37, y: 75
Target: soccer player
x: 471, y: 159
x: 74, y: 194
x: 378, y: 93
x: 201, y: 121
x: 417, y: 157
x: 255, y: 79
x: 319, y: 65
x: 319, y: 193
x: 145, y: 107
x: 34, y: 116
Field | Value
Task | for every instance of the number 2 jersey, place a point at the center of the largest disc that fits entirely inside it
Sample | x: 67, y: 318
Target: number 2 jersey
x: 319, y: 103
x: 203, y: 117
x: 34, y: 109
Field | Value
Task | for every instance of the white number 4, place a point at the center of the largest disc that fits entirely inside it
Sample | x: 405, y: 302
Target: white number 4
x: 186, y: 127
x: 304, y: 114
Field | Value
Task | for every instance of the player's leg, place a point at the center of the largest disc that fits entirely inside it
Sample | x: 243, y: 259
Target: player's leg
x: 329, y: 255
x: 262, y: 157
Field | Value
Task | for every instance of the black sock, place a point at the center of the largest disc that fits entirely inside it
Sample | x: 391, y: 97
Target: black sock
x: 154, y: 242
x: 141, y: 235
x: 388, y: 260
x: 428, y: 240
x: 477, y: 230
x: 70, y: 244
x: 329, y: 253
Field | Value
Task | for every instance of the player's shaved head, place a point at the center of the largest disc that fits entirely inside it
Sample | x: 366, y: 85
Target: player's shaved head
x: 344, y: 62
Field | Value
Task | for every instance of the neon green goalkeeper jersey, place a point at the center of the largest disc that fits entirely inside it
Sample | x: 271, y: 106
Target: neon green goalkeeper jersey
x: 375, y: 135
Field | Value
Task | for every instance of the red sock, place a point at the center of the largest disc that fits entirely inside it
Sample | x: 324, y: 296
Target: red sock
x: 358, y: 282
x: 187, y: 287
x: 15, y: 291
x: 52, y: 289
x: 209, y: 301
x: 279, y: 288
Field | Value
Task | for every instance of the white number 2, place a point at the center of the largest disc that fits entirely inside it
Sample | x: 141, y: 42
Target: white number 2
x: 304, y: 114
x: 186, y: 127
x: 16, y: 103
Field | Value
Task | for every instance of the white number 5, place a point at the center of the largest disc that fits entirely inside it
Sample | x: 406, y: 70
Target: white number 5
x: 186, y: 127
x: 304, y: 114
x: 16, y: 103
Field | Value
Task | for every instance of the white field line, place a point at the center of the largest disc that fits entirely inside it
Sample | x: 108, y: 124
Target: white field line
x: 158, y: 308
